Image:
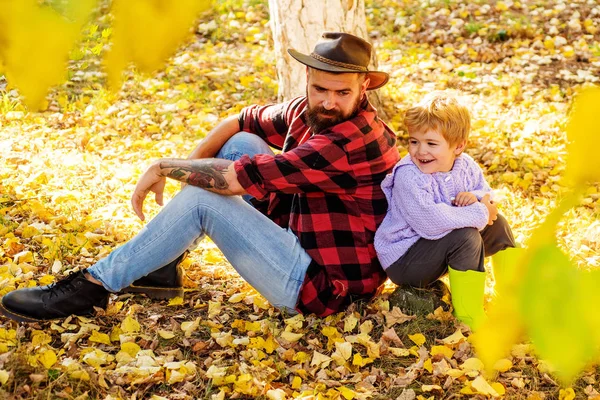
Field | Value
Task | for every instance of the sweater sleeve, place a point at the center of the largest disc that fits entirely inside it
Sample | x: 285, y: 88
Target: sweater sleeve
x: 479, y: 186
x: 431, y: 220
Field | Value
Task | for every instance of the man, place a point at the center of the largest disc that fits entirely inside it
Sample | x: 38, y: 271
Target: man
x: 311, y: 251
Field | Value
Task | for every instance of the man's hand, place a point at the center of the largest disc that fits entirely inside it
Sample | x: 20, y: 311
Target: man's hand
x: 492, y: 209
x: 212, y: 174
x: 464, y: 199
x: 150, y: 181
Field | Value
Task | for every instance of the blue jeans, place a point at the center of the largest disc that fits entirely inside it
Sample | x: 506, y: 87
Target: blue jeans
x: 267, y: 256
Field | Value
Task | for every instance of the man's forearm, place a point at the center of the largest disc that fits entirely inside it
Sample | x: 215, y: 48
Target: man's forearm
x: 213, y: 174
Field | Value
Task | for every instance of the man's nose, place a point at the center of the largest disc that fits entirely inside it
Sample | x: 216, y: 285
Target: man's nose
x: 329, y: 102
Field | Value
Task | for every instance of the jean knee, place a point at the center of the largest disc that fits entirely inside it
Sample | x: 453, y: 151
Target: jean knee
x: 243, y: 143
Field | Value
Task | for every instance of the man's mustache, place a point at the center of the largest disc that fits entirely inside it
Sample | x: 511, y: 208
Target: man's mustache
x: 324, y: 111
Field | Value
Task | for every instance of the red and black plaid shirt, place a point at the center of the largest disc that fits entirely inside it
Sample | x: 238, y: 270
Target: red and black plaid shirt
x: 325, y: 188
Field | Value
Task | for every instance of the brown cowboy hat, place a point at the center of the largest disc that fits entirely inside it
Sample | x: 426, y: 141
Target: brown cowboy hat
x: 342, y: 52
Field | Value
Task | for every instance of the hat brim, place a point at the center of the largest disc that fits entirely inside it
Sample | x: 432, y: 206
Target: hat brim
x: 377, y: 78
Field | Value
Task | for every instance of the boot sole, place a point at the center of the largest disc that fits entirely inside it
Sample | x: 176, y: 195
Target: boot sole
x: 155, y: 293
x: 22, y: 318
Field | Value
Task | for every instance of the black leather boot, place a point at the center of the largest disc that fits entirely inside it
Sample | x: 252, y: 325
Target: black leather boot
x: 71, y: 295
x: 164, y: 283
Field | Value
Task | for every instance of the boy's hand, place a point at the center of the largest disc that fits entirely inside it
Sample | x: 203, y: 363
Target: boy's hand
x: 464, y: 199
x: 492, y: 209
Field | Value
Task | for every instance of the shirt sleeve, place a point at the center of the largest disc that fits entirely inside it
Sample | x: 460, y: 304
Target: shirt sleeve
x: 270, y: 122
x: 318, y: 165
x: 431, y: 220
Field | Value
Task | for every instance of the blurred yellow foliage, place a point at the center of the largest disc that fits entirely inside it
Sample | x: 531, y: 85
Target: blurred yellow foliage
x: 549, y: 299
x: 35, y: 41
x: 147, y: 32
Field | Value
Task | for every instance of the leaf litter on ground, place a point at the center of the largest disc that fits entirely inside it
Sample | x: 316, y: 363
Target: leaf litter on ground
x: 67, y: 174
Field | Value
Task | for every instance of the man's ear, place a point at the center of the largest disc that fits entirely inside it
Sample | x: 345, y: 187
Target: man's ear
x: 364, y: 86
x: 460, y: 147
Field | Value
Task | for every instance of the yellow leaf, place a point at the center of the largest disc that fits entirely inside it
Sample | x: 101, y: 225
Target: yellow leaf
x: 214, y: 308
x: 482, y: 387
x: 357, y: 360
x: 114, y: 308
x: 176, y: 301
x: 46, y: 280
x: 499, y: 388
x: 213, y: 257
x: 130, y: 325
x: 47, y: 358
x: 261, y: 302
x: 366, y: 327
x: 350, y: 323
x: 472, y: 364
x: 115, y: 333
x: 100, y: 338
x: 276, y: 394
x: 347, y: 393
x: 296, y: 382
x: 417, y: 339
x: 24, y: 256
x: 445, y: 351
x: 427, y: 365
x: 503, y: 365
x: 270, y: 345
x: 190, y: 326
x: 301, y: 357
x: 320, y: 360
x: 236, y: 298
x: 39, y: 338
x: 174, y: 376
x: 396, y: 316
x: 253, y: 326
x: 455, y: 373
x: 330, y: 332
x: 290, y: 336
x: 430, y: 388
x: 4, y: 376
x: 566, y: 394
x: 295, y: 322
x: 216, y: 372
x: 399, y: 352
x: 166, y: 334
x: 130, y: 348
x: 501, y: 6
x: 344, y: 349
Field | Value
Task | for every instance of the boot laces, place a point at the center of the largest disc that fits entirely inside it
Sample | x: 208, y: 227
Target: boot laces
x: 64, y: 285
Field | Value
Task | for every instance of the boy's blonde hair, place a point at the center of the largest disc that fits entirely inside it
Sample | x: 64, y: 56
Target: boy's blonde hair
x: 443, y: 112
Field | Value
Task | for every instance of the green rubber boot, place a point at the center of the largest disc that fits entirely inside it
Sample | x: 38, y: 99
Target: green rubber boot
x: 505, y: 269
x: 467, y: 289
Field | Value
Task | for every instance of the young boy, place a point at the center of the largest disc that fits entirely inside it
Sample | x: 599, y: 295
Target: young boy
x: 440, y: 215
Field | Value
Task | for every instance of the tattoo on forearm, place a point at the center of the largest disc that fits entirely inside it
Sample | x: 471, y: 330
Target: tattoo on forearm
x: 207, y: 173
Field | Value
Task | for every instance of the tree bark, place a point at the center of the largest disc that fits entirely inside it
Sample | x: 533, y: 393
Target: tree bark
x: 298, y: 24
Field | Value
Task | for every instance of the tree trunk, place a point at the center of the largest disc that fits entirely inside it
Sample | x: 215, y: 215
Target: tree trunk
x: 298, y: 24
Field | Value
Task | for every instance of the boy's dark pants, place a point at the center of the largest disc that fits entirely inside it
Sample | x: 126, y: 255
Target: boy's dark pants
x: 462, y: 249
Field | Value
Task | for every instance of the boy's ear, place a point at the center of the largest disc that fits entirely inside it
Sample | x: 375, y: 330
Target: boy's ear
x: 460, y: 147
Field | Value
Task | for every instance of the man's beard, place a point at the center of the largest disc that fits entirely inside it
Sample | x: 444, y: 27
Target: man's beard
x: 317, y: 124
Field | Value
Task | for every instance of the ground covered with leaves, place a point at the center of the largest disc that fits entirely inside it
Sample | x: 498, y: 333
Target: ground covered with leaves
x: 66, y: 175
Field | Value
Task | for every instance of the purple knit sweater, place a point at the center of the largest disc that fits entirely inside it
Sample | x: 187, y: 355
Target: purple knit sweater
x: 419, y: 205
